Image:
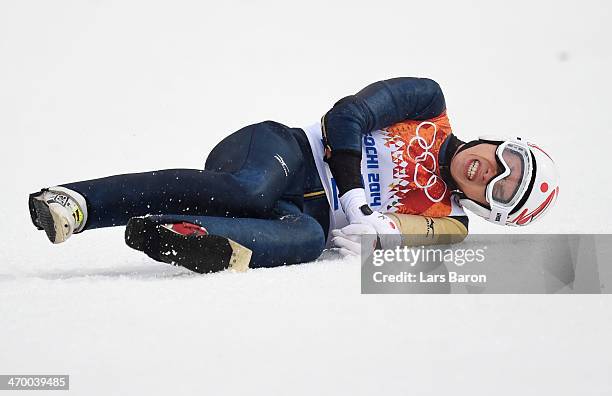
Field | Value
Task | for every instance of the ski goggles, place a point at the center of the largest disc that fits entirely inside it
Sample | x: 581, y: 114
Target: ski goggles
x: 515, y: 162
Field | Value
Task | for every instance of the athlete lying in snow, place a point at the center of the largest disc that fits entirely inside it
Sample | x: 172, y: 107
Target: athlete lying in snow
x: 382, y: 161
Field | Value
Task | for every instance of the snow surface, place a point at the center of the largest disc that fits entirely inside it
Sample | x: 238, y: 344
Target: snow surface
x: 92, y: 88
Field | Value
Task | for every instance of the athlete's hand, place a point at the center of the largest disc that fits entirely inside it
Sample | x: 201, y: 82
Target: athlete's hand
x: 358, y: 212
x: 350, y: 238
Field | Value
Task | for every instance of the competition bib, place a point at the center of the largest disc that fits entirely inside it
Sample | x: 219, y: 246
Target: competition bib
x: 399, y: 169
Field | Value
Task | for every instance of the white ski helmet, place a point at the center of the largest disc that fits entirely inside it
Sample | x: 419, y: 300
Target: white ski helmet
x: 526, y: 188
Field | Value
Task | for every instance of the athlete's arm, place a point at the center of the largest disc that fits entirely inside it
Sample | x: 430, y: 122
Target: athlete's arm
x: 377, y: 106
x: 415, y: 230
x: 422, y: 230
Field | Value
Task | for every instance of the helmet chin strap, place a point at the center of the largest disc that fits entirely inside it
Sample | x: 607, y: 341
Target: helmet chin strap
x: 474, y: 207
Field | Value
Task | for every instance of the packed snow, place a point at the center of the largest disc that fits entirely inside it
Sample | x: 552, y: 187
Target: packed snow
x: 90, y: 89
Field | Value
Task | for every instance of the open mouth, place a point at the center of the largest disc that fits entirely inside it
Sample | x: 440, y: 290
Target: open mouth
x: 472, y: 169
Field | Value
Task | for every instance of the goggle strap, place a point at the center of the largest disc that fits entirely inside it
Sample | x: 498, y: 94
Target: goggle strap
x: 529, y: 188
x: 498, y: 216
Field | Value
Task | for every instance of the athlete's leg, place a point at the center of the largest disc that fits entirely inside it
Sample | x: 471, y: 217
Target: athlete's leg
x: 290, y: 237
x: 245, y: 175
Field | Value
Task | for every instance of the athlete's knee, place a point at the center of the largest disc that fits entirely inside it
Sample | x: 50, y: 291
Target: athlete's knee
x: 310, y: 241
x: 317, y: 245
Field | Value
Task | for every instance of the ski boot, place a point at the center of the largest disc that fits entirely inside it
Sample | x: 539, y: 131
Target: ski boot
x: 187, y: 245
x: 59, y: 211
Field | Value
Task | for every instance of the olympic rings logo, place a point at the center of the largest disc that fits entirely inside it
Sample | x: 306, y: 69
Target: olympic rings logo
x: 424, y: 156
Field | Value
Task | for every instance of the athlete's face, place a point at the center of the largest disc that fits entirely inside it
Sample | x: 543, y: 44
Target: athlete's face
x: 473, y: 168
